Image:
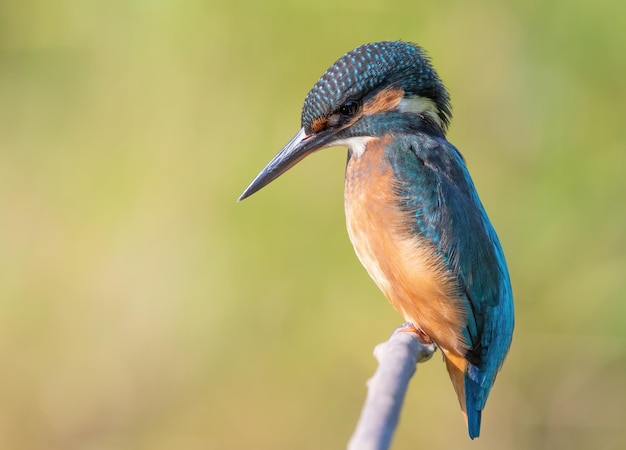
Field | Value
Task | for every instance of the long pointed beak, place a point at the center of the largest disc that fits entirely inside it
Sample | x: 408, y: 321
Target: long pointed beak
x: 296, y: 149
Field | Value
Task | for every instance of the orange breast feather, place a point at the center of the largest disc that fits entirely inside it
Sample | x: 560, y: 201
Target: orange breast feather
x: 406, y: 268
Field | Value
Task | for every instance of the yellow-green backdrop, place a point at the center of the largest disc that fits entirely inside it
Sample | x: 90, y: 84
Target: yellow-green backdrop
x: 141, y: 307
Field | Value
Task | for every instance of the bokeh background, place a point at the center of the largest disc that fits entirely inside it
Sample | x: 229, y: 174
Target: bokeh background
x: 141, y: 307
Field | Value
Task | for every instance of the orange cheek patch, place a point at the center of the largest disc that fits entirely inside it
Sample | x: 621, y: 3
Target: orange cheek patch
x: 385, y: 100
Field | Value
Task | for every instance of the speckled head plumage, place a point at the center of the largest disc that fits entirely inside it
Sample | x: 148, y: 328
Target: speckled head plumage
x: 369, y: 69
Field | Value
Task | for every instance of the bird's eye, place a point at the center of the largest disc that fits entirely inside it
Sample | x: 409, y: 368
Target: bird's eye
x: 349, y: 108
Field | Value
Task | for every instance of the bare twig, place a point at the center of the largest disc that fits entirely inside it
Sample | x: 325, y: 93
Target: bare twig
x: 397, y: 362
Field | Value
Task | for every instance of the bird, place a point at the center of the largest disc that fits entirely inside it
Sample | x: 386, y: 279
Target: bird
x: 413, y: 213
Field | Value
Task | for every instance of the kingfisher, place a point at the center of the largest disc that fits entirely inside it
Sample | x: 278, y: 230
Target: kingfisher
x: 412, y: 211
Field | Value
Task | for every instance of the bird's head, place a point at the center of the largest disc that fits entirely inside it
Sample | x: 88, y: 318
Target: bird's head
x: 373, y: 90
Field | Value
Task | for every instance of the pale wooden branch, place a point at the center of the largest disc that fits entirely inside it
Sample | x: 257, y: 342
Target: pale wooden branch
x: 397, y: 362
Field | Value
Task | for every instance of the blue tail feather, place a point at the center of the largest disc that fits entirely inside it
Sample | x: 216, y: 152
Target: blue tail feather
x: 473, y: 422
x: 475, y: 399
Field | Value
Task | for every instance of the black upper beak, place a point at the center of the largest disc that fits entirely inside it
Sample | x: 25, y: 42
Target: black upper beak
x: 296, y: 149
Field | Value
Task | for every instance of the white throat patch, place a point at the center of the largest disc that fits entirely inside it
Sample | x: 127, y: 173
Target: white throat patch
x: 356, y: 144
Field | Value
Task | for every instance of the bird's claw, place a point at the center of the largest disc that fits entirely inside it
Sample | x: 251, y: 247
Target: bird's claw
x: 428, y: 344
x: 408, y: 327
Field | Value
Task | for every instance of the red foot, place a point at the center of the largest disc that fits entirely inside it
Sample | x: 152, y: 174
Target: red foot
x: 408, y: 327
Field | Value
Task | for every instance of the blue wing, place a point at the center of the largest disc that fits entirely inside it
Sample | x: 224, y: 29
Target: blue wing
x: 436, y: 188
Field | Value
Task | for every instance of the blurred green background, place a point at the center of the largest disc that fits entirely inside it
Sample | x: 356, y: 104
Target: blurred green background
x: 141, y: 307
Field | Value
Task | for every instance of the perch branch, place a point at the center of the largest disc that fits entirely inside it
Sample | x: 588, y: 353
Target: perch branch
x: 397, y: 362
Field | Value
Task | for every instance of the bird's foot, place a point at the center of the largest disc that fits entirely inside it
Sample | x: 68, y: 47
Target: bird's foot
x: 408, y: 327
x: 427, y: 345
